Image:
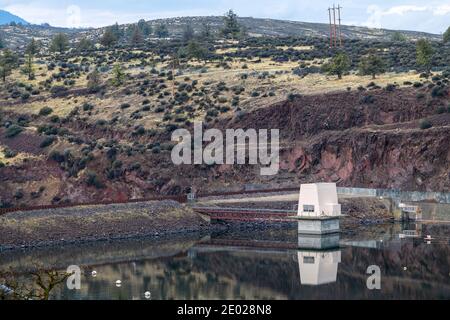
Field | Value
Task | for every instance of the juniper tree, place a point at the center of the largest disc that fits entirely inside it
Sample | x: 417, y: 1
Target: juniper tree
x: 371, y: 64
x: 60, y: 43
x: 195, y: 50
x: 338, y: 65
x: 84, y: 45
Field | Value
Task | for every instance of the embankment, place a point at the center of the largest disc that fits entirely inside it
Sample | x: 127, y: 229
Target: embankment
x: 96, y: 223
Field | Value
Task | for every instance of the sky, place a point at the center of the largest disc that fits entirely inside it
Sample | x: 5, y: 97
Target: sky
x: 429, y: 16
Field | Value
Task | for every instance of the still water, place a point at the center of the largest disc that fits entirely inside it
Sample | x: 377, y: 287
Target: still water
x: 264, y: 264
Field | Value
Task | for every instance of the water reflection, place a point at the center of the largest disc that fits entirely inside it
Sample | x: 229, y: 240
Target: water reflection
x: 317, y: 268
x: 264, y: 264
x: 318, y: 258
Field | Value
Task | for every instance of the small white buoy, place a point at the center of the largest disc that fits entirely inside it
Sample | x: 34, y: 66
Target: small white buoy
x: 118, y: 283
x: 147, y: 295
x: 94, y: 273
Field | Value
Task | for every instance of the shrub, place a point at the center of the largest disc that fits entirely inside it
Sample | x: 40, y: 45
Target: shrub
x: 48, y: 141
x: 156, y: 150
x: 25, y: 96
x: 441, y: 110
x: 292, y: 97
x: 390, y: 87
x: 56, y: 156
x: 124, y: 106
x: 9, y: 153
x: 2, y: 164
x: 368, y: 99
x: 92, y: 180
x: 87, y: 107
x: 13, y: 131
x: 425, y: 124
x: 19, y: 194
x: 45, y: 111
x: 58, y: 90
x: 439, y: 91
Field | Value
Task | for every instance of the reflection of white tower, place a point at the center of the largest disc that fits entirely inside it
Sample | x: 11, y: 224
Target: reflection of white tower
x: 317, y: 268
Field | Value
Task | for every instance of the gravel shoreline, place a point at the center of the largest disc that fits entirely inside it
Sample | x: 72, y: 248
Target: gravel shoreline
x: 45, y: 228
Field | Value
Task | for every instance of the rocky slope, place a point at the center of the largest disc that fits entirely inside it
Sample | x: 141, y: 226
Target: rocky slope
x: 358, y: 138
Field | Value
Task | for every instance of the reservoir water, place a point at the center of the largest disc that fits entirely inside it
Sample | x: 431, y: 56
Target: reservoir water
x: 270, y: 263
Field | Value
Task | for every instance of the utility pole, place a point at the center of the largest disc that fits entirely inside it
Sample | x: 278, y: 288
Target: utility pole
x: 334, y: 25
x: 331, y: 28
x: 340, y: 25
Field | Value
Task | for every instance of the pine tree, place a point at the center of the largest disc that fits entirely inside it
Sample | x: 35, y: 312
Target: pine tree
x: 188, y: 33
x: 33, y: 47
x: 28, y: 68
x: 162, y: 31
x: 424, y: 52
x: 109, y: 38
x: 119, y: 75
x: 117, y: 31
x: 447, y: 35
x: 206, y: 33
x: 136, y: 36
x: 8, y: 62
x: 231, y: 27
x: 94, y: 81
x: 144, y: 28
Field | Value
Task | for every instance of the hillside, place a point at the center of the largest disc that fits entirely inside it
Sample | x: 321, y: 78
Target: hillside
x: 19, y: 36
x: 282, y: 28
x: 7, y: 18
x: 96, y: 125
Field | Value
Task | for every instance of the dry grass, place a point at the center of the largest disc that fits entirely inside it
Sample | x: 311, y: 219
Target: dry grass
x: 17, y: 160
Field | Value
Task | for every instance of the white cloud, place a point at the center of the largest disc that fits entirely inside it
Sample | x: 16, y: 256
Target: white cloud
x: 399, y: 16
x: 401, y: 10
x: 442, y: 10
